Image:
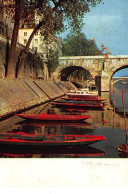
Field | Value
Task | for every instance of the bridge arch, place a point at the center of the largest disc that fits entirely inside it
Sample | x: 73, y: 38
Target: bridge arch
x: 113, y: 80
x: 116, y: 69
x: 64, y: 72
x: 104, y: 67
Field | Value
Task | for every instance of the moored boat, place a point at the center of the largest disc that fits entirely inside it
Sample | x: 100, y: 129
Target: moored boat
x: 99, y: 99
x: 54, y: 117
x: 89, y: 93
x: 79, y: 105
x: 46, y: 140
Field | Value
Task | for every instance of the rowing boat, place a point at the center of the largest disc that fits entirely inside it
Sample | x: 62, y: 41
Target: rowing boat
x: 78, y: 105
x: 83, y: 99
x: 54, y: 117
x: 46, y: 140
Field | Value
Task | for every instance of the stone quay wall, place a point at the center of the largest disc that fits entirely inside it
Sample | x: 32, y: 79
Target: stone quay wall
x: 30, y: 67
x: 20, y: 94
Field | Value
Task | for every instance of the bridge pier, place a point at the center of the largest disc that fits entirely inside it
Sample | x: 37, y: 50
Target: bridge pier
x: 102, y: 81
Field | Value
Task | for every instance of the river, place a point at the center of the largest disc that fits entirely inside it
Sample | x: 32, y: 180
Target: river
x: 105, y: 122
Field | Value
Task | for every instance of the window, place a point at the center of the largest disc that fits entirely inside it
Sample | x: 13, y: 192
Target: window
x: 36, y: 41
x: 25, y: 41
x: 1, y: 30
x: 25, y: 33
x: 36, y: 34
x: 35, y: 48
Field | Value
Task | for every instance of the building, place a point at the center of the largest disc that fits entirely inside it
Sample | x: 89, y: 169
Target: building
x: 38, y: 44
x: 24, y: 34
x: 6, y: 24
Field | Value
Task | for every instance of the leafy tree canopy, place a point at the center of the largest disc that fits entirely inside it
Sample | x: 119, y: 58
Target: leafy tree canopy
x: 52, y: 15
x: 79, y: 45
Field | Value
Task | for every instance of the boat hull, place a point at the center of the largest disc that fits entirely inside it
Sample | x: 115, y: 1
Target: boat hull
x: 46, y: 141
x: 78, y: 105
x: 57, y: 118
x: 85, y: 97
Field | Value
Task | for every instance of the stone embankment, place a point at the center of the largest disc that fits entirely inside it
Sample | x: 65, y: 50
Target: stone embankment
x: 21, y: 94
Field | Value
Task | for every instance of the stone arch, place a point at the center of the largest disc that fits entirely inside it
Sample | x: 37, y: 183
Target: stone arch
x: 63, y: 72
x: 119, y: 68
x: 100, y: 67
x: 116, y: 69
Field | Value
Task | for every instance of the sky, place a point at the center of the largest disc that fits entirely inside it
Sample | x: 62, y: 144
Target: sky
x: 108, y: 24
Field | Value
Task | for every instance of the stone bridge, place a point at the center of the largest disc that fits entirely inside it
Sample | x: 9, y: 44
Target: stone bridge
x: 100, y: 67
x: 116, y: 79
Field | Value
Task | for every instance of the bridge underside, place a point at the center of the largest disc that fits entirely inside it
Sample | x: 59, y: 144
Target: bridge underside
x: 66, y: 72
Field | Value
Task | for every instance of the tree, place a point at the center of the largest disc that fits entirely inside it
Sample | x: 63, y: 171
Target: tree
x: 52, y: 14
x: 18, y: 11
x: 53, y: 62
x: 79, y: 45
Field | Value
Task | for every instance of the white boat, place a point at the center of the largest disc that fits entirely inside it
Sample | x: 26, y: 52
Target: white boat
x: 90, y: 92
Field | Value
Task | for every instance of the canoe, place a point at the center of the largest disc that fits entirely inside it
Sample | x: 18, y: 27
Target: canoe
x: 46, y: 140
x: 78, y: 105
x: 83, y: 99
x: 79, y: 102
x: 54, y: 117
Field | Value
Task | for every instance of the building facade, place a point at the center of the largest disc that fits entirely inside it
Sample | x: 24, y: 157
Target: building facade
x: 38, y: 44
x: 6, y: 24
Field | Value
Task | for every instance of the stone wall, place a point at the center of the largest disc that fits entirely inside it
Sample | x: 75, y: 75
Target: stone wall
x: 30, y: 68
x: 18, y: 94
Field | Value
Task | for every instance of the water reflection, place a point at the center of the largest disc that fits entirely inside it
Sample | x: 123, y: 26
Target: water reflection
x: 84, y: 151
x: 52, y: 127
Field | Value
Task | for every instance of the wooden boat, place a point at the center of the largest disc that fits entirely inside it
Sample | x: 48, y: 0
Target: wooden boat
x: 83, y: 99
x: 78, y: 105
x: 80, y: 102
x: 54, y: 117
x: 76, y: 110
x: 46, y: 140
x: 89, y: 93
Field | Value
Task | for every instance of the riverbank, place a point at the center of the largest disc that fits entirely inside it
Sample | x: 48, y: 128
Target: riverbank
x: 21, y: 94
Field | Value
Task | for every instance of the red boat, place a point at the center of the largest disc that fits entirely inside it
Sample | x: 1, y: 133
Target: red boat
x: 46, y: 140
x: 78, y: 105
x: 83, y: 99
x: 54, y: 117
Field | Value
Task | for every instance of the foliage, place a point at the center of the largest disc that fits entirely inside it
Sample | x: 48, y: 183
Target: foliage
x: 80, y: 75
x: 52, y: 62
x: 79, y: 45
x: 52, y: 15
x: 105, y: 51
